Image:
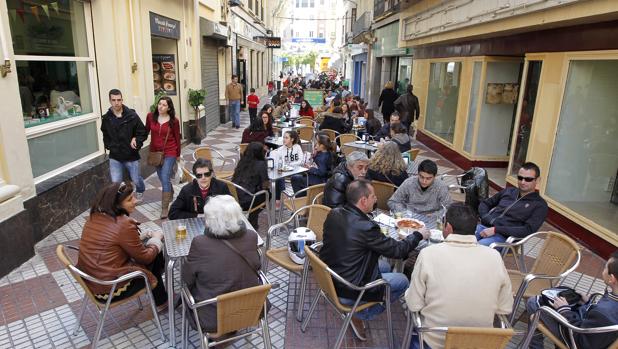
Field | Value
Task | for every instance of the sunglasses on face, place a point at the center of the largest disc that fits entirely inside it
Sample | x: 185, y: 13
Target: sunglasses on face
x: 205, y: 174
x: 527, y: 179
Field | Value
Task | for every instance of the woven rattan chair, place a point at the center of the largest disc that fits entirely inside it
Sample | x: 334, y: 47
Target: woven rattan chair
x: 234, y: 188
x: 306, y: 121
x: 383, y: 191
x: 460, y: 337
x: 558, y: 257
x: 536, y: 323
x: 241, y: 149
x: 318, y: 199
x: 187, y: 176
x: 332, y: 134
x: 207, y: 153
x: 103, y: 307
x: 306, y: 133
x: 236, y: 311
x: 346, y: 138
x: 413, y: 153
x: 294, y: 202
x: 324, y: 277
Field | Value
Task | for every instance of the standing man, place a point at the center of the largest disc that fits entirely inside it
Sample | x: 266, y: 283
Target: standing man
x: 123, y: 135
x: 233, y: 95
x: 408, y: 107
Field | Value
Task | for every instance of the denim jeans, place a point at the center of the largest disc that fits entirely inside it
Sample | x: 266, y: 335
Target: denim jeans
x: 164, y: 172
x: 399, y: 284
x: 488, y: 241
x: 415, y: 342
x: 550, y: 323
x: 279, y: 188
x: 234, y: 109
x: 116, y: 169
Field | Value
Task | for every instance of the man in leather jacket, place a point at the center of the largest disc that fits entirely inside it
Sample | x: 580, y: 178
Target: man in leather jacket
x: 190, y: 201
x: 353, y: 244
x: 408, y: 107
x: 354, y: 167
x: 516, y: 212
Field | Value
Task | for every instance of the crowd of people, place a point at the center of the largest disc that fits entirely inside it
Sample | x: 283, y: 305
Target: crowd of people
x: 460, y: 282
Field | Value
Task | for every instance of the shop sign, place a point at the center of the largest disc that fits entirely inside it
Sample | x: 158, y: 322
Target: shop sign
x: 164, y: 74
x: 268, y: 41
x: 164, y: 26
x: 213, y: 29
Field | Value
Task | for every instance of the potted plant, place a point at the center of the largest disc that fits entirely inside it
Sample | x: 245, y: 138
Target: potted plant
x: 196, y: 98
x: 158, y: 95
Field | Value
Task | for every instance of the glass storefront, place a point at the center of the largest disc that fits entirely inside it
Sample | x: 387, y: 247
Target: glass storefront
x: 526, y: 115
x: 584, y: 164
x: 404, y: 74
x: 442, y: 99
x: 472, y: 107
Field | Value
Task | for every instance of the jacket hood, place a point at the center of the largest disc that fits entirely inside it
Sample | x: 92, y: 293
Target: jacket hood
x: 126, y: 112
x: 333, y: 115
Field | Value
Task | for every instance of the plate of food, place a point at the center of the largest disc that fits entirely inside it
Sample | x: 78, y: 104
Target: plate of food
x: 409, y: 223
x: 287, y: 168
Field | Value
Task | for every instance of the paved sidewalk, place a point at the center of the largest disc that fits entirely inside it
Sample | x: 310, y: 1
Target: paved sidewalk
x: 40, y: 299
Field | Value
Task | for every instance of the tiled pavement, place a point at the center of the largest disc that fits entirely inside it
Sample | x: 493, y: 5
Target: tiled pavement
x: 39, y: 300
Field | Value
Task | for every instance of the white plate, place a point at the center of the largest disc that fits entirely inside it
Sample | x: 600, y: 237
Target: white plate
x: 422, y: 225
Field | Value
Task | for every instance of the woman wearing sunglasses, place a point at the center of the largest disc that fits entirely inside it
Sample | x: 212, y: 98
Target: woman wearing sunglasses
x: 190, y: 201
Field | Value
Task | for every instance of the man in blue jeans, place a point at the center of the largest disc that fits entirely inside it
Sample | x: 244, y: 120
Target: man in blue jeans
x: 353, y: 244
x: 123, y: 135
x: 516, y: 212
x: 233, y: 94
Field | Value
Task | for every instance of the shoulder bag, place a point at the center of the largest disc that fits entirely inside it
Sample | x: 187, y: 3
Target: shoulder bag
x: 155, y: 158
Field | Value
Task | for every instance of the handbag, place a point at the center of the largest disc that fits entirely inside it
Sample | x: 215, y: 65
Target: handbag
x: 155, y: 158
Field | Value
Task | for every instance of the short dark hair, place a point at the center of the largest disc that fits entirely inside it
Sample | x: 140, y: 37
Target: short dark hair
x: 252, y: 90
x: 396, y: 114
x: 532, y: 166
x: 109, y: 198
x: 356, y: 190
x: 337, y: 110
x: 462, y: 218
x: 114, y: 92
x: 234, y: 76
x: 201, y: 163
x: 398, y: 128
x: 612, y: 264
x: 428, y: 166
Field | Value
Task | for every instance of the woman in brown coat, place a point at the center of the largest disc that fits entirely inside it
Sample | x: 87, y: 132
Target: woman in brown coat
x: 111, y: 246
x: 212, y: 268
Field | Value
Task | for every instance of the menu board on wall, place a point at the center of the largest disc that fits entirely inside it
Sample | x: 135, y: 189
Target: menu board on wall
x: 164, y: 73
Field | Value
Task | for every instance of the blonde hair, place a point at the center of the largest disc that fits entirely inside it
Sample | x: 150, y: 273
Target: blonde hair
x: 389, y: 84
x: 223, y: 215
x: 388, y: 160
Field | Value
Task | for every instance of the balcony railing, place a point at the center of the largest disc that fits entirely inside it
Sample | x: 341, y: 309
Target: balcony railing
x: 362, y: 24
x: 381, y: 7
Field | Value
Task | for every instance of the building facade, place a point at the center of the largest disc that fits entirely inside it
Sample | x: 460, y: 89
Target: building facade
x: 525, y: 81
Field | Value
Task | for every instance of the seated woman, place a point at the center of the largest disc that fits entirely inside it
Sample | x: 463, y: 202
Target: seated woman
x: 306, y: 109
x: 258, y: 130
x: 252, y: 174
x: 190, y: 201
x: 290, y: 154
x: 387, y: 165
x: 372, y: 125
x: 268, y: 109
x: 320, y: 167
x: 399, y: 135
x: 280, y: 110
x: 111, y: 246
x: 212, y: 267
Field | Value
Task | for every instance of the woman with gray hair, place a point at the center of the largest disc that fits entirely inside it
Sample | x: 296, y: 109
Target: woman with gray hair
x: 215, y: 265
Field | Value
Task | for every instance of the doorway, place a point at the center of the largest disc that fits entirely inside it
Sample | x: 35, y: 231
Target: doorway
x: 241, y: 66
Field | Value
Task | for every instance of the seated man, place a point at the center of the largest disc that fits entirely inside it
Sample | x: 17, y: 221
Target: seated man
x: 458, y: 282
x: 354, y: 167
x: 516, y: 212
x: 385, y: 131
x: 421, y: 193
x: 190, y: 201
x: 602, y: 313
x: 353, y: 244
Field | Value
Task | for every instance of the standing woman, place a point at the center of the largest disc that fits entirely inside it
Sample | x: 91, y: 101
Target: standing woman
x: 387, y: 101
x: 164, y: 131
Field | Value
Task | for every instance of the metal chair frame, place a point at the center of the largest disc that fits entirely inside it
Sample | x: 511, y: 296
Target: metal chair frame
x: 103, y: 308
x: 253, y: 195
x: 293, y: 197
x: 565, y: 323
x: 189, y: 301
x: 331, y: 133
x: 318, y: 199
x: 517, y: 248
x: 348, y: 317
x: 221, y: 157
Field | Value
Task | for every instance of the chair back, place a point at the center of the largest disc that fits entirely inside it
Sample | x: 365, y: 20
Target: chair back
x: 315, y: 221
x: 383, y: 191
x: 558, y: 253
x: 241, y: 148
x: 202, y: 153
x: 67, y: 262
x: 347, y: 138
x: 318, y: 198
x: 306, y: 133
x: 186, y: 175
x: 313, y: 191
x: 332, y: 134
x: 413, y: 153
x: 231, y: 187
x: 477, y: 338
x: 323, y: 277
x: 306, y: 121
x: 240, y: 309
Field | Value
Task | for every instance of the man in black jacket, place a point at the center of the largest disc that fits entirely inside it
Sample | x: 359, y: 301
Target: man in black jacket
x: 516, y: 212
x: 408, y: 107
x: 190, y: 201
x: 123, y: 135
x: 353, y: 244
x: 354, y: 167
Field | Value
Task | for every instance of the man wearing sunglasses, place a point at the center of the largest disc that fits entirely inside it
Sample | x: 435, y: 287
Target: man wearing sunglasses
x: 516, y: 212
x: 190, y: 201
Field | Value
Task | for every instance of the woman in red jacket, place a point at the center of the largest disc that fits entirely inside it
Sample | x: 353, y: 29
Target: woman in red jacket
x: 305, y: 109
x: 164, y: 131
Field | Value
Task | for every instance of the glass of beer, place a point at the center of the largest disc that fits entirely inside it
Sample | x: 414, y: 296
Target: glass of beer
x: 181, y: 231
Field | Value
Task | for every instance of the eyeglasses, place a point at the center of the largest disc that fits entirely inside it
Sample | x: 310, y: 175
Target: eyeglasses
x: 527, y: 179
x: 205, y: 174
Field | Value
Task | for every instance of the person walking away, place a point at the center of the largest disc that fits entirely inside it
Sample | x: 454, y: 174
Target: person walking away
x: 164, y: 130
x: 233, y: 95
x: 252, y: 100
x: 123, y: 135
x: 408, y: 107
x: 387, y: 101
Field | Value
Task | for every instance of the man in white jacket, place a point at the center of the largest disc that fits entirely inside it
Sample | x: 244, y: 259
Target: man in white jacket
x: 458, y: 282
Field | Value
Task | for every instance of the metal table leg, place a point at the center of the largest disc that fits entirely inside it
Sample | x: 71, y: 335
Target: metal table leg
x: 273, y: 200
x: 169, y: 280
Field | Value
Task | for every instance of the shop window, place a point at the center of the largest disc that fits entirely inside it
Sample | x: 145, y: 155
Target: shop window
x: 405, y: 74
x: 472, y: 107
x: 442, y: 99
x: 527, y: 113
x: 584, y: 163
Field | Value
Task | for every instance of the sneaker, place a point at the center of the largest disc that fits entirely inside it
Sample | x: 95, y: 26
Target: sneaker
x: 139, y: 196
